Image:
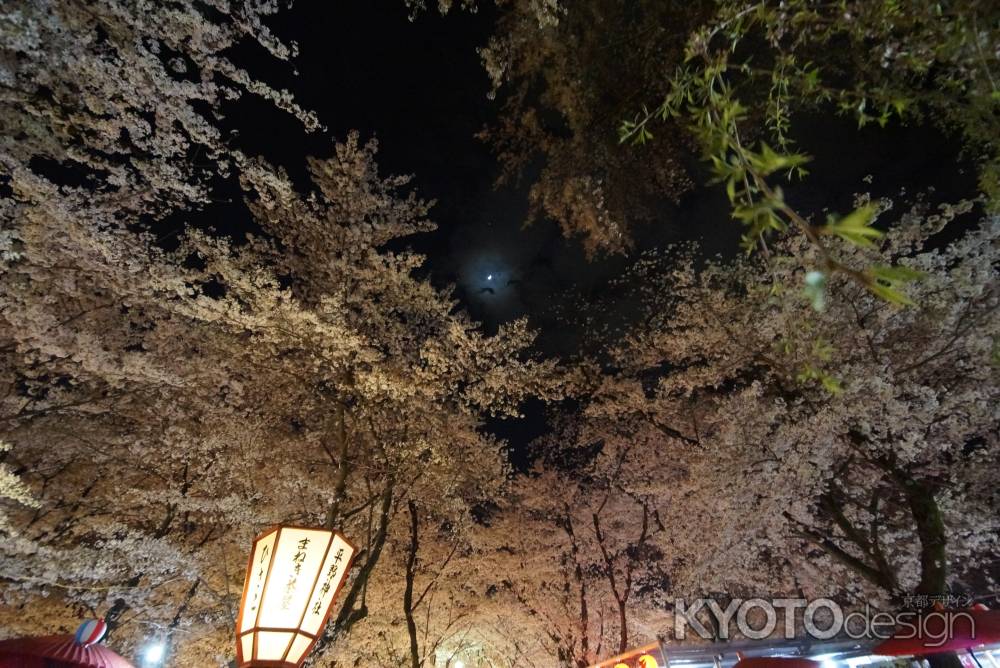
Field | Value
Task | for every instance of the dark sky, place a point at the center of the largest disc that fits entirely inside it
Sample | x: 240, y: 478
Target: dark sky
x: 419, y: 87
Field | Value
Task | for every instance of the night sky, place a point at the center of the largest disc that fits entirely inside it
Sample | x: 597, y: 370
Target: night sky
x: 420, y: 88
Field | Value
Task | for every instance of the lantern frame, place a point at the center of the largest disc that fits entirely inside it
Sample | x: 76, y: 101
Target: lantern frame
x: 250, y: 662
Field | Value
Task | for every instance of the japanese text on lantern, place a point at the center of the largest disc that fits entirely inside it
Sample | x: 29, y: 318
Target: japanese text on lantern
x: 328, y: 580
x: 293, y: 578
x: 259, y: 580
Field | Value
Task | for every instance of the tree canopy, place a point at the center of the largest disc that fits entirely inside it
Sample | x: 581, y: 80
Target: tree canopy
x: 817, y: 416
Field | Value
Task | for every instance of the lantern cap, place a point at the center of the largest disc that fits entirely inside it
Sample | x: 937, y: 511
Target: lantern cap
x: 90, y: 632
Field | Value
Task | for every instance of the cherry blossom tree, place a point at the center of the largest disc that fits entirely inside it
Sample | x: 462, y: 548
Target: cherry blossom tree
x: 169, y: 391
x: 744, y: 443
x: 839, y: 451
x: 140, y: 393
x: 167, y: 400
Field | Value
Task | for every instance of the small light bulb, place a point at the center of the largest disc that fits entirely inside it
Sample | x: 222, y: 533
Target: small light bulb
x: 154, y: 653
x: 488, y: 278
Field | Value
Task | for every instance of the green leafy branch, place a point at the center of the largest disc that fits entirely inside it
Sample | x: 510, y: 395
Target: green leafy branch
x: 707, y: 99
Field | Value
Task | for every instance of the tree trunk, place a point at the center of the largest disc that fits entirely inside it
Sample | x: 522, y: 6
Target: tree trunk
x: 623, y: 624
x: 931, y: 532
x: 349, y: 615
x: 411, y: 562
x: 114, y: 614
x: 343, y: 468
x: 583, y: 659
x: 933, y: 550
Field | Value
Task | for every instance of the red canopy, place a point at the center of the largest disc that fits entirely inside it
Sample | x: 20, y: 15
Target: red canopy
x: 57, y: 652
x: 776, y: 662
x: 945, y: 631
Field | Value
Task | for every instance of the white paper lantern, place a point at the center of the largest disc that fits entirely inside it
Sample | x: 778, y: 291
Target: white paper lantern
x: 292, y: 579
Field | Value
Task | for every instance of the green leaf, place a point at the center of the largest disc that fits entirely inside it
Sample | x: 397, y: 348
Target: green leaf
x: 855, y: 227
x: 889, y: 294
x: 832, y: 385
x: 768, y: 161
x: 829, y: 383
x: 861, y: 217
x: 885, y: 281
x: 896, y: 274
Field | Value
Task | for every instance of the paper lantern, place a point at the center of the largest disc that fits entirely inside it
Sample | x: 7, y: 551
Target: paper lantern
x: 292, y: 579
x: 637, y: 657
x: 648, y: 661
